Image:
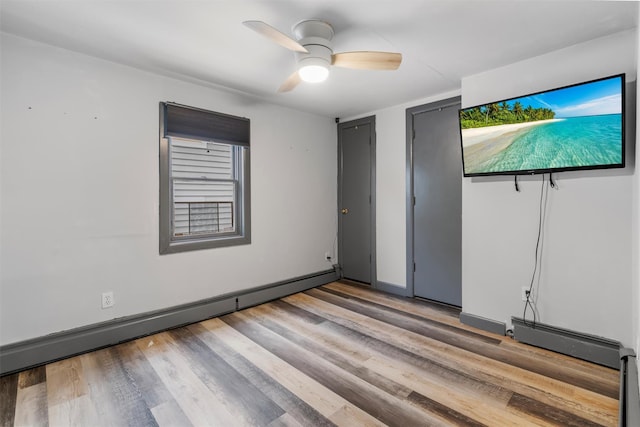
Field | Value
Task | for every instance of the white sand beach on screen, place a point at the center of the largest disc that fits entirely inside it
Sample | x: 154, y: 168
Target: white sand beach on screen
x: 487, y: 134
x: 482, y: 144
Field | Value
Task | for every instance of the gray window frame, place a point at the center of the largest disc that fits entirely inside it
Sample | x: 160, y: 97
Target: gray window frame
x: 242, y: 235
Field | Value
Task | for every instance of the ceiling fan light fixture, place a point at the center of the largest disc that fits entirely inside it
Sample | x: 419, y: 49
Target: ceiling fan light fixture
x: 313, y: 70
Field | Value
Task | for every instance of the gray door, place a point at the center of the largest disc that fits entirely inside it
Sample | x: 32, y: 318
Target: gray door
x: 437, y: 210
x: 355, y: 145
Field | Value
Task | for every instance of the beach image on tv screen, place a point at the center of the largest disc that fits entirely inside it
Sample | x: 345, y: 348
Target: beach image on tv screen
x: 574, y: 127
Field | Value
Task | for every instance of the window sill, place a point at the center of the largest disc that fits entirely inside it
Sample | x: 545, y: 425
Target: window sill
x: 187, y: 245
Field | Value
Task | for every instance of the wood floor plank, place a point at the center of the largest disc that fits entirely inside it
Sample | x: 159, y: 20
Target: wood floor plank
x: 386, y: 408
x: 31, y: 406
x: 65, y: 381
x: 8, y: 396
x: 321, y: 398
x: 548, y: 413
x: 113, y: 395
x: 408, y: 305
x: 435, y: 309
x: 300, y: 314
x: 455, y: 417
x: 295, y: 407
x: 487, y: 410
x: 458, y: 331
x: 285, y: 420
x: 170, y: 414
x: 140, y: 372
x: 32, y: 377
x: 75, y: 411
x: 331, y: 349
x: 198, y: 402
x: 609, y: 378
x: 404, y: 322
x: 248, y: 402
x: 349, y: 415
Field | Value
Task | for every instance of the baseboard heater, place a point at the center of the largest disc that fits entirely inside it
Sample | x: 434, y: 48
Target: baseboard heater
x: 38, y: 351
x: 593, y: 349
x: 629, y: 414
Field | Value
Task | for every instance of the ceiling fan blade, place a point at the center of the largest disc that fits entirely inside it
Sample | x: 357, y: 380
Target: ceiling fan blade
x: 290, y: 84
x: 367, y: 60
x: 272, y: 34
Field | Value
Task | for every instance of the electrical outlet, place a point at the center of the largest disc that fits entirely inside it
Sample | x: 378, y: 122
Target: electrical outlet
x: 107, y: 299
x: 525, y: 291
x: 327, y: 256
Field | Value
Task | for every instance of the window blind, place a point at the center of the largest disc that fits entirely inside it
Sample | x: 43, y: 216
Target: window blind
x: 195, y: 123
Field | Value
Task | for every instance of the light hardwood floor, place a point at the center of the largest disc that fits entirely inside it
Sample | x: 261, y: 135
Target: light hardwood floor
x: 336, y: 355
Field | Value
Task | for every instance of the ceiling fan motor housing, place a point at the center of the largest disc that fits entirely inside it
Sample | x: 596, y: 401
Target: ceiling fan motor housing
x: 315, y: 36
x: 313, y: 28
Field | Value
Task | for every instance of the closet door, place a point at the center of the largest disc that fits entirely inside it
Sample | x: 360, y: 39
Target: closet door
x: 356, y: 152
x: 437, y: 209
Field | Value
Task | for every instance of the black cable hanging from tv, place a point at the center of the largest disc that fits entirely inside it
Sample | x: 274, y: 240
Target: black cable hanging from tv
x: 538, y: 256
x: 515, y: 181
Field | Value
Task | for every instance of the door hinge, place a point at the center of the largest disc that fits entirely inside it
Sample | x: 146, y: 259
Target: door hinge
x: 414, y: 267
x: 414, y: 134
x: 414, y: 200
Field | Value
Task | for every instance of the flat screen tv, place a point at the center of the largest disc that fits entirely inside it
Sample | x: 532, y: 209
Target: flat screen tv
x: 569, y: 128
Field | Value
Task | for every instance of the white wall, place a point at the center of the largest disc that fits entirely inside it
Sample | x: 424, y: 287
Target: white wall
x: 587, y: 275
x: 79, y: 192
x: 390, y: 197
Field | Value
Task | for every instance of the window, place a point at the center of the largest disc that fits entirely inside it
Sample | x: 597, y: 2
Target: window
x: 204, y: 179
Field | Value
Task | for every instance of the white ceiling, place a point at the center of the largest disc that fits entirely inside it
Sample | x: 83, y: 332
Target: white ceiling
x: 204, y: 40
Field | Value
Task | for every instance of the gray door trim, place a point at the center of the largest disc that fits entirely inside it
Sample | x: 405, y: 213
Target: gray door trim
x: 371, y: 121
x: 410, y: 114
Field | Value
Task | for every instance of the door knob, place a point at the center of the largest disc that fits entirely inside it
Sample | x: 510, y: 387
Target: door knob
x: 344, y: 211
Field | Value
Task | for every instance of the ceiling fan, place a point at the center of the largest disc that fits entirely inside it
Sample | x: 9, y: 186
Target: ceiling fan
x: 314, y: 52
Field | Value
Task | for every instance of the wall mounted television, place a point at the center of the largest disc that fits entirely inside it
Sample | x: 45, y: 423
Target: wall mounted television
x: 575, y: 127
